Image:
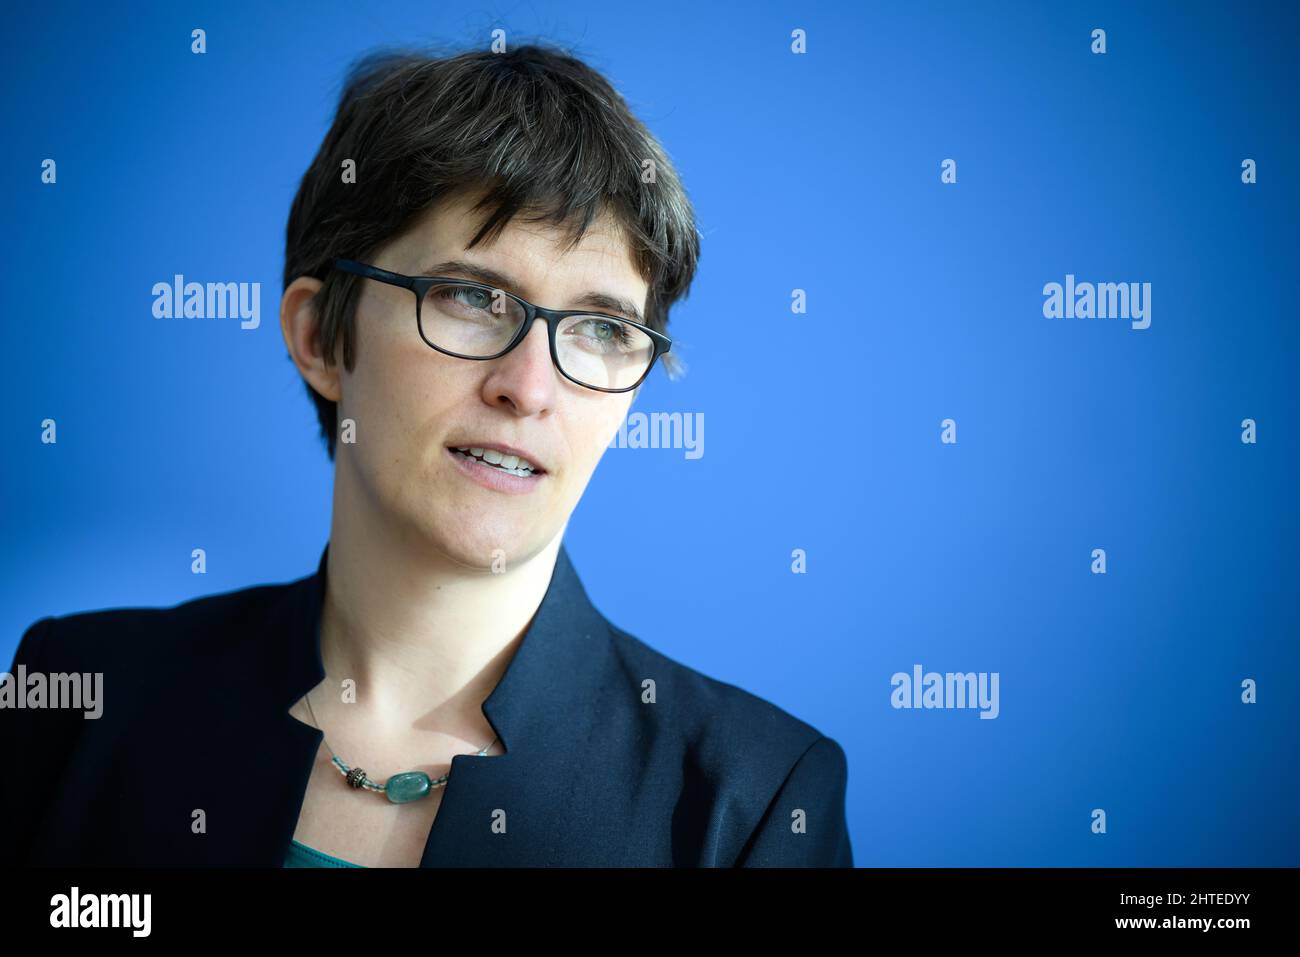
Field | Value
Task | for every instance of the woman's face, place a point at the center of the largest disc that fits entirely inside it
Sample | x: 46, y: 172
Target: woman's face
x: 413, y: 406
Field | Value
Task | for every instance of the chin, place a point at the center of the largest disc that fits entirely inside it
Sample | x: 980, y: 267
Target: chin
x: 489, y: 543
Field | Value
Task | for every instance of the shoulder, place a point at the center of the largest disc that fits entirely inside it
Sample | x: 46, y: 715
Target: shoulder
x: 717, y: 719
x: 771, y: 785
x: 94, y: 677
x: 132, y: 639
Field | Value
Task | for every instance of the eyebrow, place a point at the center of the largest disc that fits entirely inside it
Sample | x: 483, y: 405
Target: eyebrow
x: 592, y: 299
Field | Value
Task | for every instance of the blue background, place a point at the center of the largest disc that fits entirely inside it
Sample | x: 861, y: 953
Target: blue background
x: 818, y: 172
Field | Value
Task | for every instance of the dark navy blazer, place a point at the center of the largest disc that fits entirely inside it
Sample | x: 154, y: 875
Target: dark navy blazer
x: 195, y: 716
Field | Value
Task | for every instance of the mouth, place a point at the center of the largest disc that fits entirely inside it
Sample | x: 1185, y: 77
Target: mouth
x: 501, y: 459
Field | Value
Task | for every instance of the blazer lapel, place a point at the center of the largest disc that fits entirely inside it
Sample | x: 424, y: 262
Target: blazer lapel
x: 496, y: 811
x: 504, y: 810
x: 251, y: 759
x: 277, y: 751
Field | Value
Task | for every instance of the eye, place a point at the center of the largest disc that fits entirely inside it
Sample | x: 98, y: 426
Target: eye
x: 605, y: 337
x: 603, y: 330
x: 473, y: 296
x: 465, y: 301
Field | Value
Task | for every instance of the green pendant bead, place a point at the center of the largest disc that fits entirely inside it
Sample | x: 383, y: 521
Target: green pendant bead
x: 407, y: 786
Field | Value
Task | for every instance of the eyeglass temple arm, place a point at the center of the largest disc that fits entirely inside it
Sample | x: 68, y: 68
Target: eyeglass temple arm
x: 374, y: 272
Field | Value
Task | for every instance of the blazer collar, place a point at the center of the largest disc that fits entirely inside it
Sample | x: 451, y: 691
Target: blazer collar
x: 545, y: 708
x: 556, y: 664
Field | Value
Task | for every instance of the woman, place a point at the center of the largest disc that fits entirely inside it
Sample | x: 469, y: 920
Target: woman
x: 441, y: 691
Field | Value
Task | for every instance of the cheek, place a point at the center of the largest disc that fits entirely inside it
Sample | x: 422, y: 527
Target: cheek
x: 594, y: 428
x: 398, y: 394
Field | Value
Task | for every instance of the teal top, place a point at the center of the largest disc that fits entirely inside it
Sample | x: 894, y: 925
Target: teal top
x: 300, y: 855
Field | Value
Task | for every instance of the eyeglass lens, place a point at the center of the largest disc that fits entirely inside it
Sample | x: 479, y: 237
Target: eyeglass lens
x: 475, y: 321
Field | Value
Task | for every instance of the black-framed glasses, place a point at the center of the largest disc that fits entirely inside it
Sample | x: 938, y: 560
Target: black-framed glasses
x: 472, y: 320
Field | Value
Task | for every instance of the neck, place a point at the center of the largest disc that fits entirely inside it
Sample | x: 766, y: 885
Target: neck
x: 424, y: 638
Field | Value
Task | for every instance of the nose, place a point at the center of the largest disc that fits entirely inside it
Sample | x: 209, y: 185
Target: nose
x: 524, y: 380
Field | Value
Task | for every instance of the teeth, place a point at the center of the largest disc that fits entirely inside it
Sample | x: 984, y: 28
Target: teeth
x: 506, y: 463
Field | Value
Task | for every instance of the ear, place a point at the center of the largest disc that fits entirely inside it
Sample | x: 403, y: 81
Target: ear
x: 300, y: 326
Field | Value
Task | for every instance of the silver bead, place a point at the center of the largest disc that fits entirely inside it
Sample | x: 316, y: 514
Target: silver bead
x: 356, y: 777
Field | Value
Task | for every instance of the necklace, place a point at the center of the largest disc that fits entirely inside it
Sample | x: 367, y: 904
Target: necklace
x: 400, y: 788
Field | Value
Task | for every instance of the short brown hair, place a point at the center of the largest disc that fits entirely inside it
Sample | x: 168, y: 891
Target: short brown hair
x: 536, y: 128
